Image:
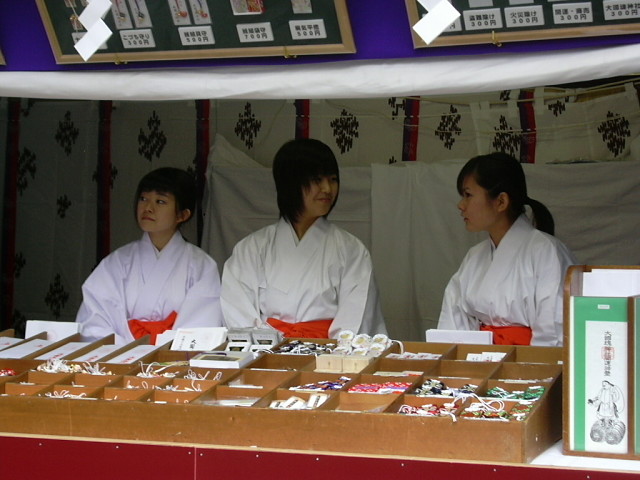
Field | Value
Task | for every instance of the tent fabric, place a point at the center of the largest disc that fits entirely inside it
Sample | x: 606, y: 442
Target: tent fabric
x: 347, y: 79
x: 406, y: 214
x: 419, y: 238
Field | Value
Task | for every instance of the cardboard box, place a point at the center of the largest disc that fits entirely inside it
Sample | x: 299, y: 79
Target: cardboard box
x: 73, y: 392
x: 319, y: 381
x: 599, y: 392
x: 125, y: 394
x: 89, y: 380
x: 222, y: 359
x: 221, y: 375
x: 19, y: 389
x: 477, y: 385
x: 170, y: 396
x: 529, y: 354
x: 282, y: 396
x: 269, y: 361
x: 260, y: 379
x: 487, y: 353
x: 226, y: 396
x: 380, y: 381
x: 145, y: 383
x: 432, y: 351
x: 401, y: 366
x: 461, y: 368
x: 234, y: 416
x: 193, y: 384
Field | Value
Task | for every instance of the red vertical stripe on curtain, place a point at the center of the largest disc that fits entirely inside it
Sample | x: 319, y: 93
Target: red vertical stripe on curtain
x: 203, y: 140
x: 411, y: 129
x: 103, y: 178
x: 303, y: 110
x: 528, y: 126
x: 9, y: 212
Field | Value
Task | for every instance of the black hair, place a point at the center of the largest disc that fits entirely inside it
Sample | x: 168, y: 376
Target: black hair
x: 295, y: 166
x: 172, y: 180
x: 500, y: 172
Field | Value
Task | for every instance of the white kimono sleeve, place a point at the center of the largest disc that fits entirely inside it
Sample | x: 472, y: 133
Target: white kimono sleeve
x: 452, y: 314
x: 241, y: 280
x: 103, y: 309
x: 201, y: 304
x: 551, y: 268
x: 358, y: 304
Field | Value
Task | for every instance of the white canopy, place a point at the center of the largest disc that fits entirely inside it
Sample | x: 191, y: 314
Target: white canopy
x: 348, y: 79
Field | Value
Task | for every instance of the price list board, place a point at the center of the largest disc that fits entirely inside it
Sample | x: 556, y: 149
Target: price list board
x: 189, y: 29
x: 498, y: 21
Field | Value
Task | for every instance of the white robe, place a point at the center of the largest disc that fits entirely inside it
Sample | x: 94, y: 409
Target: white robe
x: 327, y: 274
x: 137, y: 281
x: 520, y: 282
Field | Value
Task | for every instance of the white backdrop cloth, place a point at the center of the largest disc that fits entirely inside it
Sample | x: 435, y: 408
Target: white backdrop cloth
x: 347, y: 79
x: 406, y: 214
x: 419, y: 239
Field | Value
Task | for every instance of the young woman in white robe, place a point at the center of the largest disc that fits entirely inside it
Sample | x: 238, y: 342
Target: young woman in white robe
x: 159, y: 282
x: 303, y: 275
x: 511, y: 283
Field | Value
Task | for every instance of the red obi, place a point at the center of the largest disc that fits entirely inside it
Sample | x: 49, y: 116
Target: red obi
x: 311, y: 329
x: 511, y: 335
x: 140, y: 328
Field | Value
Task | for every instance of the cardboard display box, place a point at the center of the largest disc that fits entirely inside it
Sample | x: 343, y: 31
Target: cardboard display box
x: 600, y: 357
x: 349, y: 423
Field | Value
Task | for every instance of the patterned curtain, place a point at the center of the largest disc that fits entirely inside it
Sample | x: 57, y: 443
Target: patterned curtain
x: 71, y: 167
x: 71, y: 172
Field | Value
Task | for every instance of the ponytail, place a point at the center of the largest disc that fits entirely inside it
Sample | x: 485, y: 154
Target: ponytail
x: 542, y: 218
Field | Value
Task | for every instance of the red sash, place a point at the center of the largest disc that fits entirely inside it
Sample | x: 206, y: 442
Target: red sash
x: 140, y: 328
x: 512, y: 335
x: 312, y: 329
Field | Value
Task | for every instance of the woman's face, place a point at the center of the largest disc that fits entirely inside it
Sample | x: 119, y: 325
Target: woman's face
x: 320, y: 196
x: 479, y: 211
x: 157, y: 212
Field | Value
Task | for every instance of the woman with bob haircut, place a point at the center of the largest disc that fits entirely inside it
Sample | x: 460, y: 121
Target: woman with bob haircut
x: 512, y: 282
x: 302, y: 275
x: 160, y: 282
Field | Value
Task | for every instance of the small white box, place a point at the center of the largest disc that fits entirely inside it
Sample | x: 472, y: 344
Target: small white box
x: 222, y: 359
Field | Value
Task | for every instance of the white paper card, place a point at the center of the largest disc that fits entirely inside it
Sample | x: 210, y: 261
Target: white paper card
x: 254, y: 32
x: 133, y: 355
x: 165, y: 337
x: 567, y: 13
x: 63, y: 351
x: 440, y: 15
x: 620, y: 9
x: 92, y: 40
x: 94, y: 12
x: 6, y: 342
x: 485, y: 357
x: 55, y: 330
x: 190, y: 36
x: 97, y: 354
x: 24, y: 349
x: 490, y: 18
x: 459, y: 336
x: 529, y: 16
x: 199, y: 339
x: 480, y: 3
x: 611, y: 283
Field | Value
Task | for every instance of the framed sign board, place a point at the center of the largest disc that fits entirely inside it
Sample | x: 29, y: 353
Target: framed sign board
x: 190, y: 29
x: 498, y: 21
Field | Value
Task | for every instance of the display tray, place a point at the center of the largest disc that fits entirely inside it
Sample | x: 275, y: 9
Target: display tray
x: 601, y: 357
x: 351, y: 423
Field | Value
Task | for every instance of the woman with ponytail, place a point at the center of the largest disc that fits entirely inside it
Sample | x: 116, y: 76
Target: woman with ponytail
x: 512, y: 282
